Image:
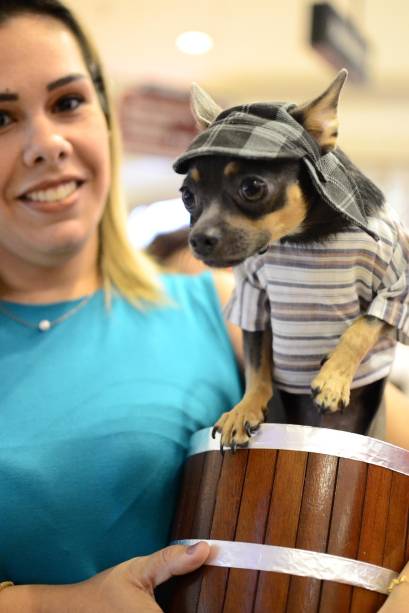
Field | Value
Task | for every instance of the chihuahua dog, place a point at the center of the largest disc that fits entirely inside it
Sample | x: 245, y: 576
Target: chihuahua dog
x: 320, y: 261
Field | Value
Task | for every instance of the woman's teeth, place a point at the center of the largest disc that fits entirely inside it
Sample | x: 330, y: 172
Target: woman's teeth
x: 53, y: 194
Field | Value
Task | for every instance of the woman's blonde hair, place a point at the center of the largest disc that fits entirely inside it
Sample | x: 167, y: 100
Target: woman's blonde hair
x: 133, y: 274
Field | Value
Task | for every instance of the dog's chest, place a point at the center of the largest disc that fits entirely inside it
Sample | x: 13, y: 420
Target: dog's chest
x: 336, y: 278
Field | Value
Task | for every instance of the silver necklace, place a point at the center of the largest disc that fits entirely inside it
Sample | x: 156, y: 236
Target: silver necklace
x: 46, y: 324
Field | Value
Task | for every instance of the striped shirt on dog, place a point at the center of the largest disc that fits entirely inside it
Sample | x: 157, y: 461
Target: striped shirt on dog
x: 312, y: 293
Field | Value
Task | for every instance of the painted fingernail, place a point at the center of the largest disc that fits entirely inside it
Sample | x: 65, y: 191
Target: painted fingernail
x: 192, y: 548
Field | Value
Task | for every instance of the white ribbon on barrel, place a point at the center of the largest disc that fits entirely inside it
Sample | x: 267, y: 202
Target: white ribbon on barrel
x: 251, y: 556
x: 317, y: 440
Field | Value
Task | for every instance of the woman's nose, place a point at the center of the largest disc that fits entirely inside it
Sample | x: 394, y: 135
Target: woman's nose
x: 45, y: 144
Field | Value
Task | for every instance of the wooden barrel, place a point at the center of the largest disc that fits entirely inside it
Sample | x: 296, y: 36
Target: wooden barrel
x: 297, y: 520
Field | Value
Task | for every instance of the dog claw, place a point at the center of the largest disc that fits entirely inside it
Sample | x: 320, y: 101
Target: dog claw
x: 342, y: 406
x: 250, y: 430
x: 322, y: 408
x: 214, y: 431
x: 221, y: 448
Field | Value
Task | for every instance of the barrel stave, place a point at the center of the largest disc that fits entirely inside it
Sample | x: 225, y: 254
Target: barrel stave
x: 373, y: 533
x: 225, y: 516
x: 251, y: 526
x: 282, y: 525
x: 313, y: 528
x: 345, y: 529
x: 394, y: 556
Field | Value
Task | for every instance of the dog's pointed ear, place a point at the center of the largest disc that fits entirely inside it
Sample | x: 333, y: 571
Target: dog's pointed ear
x: 319, y: 116
x: 204, y: 108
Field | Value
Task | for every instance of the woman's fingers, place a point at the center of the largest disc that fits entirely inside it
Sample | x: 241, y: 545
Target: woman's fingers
x: 151, y: 571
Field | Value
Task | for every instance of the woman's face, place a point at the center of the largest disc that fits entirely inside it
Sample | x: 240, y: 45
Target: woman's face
x: 54, y: 144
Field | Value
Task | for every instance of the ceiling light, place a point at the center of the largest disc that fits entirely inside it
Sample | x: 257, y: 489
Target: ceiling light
x: 194, y: 43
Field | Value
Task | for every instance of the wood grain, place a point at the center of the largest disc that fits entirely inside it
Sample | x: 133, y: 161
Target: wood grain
x: 373, y: 533
x: 224, y: 523
x: 345, y: 529
x: 315, y: 514
x: 394, y: 556
x: 251, y: 526
x: 207, y: 495
x: 282, y: 525
x: 182, y: 593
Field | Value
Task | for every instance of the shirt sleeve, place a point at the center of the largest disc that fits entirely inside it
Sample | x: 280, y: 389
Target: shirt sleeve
x: 249, y: 306
x: 392, y: 295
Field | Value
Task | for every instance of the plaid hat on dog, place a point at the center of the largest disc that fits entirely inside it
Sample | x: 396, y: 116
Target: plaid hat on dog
x: 263, y: 131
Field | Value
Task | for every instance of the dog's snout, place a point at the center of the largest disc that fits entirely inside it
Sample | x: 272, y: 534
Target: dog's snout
x: 204, y: 243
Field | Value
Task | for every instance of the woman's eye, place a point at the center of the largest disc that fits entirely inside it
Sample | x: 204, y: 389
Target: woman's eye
x: 252, y: 188
x: 188, y: 199
x: 68, y: 103
x: 5, y: 119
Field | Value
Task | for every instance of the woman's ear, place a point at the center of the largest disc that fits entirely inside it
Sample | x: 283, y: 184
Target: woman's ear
x: 204, y: 108
x: 319, y: 116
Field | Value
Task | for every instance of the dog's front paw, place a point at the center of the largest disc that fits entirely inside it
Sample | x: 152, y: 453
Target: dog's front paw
x: 330, y: 394
x: 237, y: 426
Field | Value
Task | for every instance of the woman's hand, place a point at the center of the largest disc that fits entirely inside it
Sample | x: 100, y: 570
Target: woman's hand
x: 398, y: 600
x: 126, y: 588
x: 129, y: 586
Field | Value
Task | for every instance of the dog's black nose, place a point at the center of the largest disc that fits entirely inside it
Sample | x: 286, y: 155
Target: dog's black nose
x: 204, y: 243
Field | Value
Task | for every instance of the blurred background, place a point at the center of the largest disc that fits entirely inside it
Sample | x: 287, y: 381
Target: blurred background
x: 251, y: 51
x: 261, y: 51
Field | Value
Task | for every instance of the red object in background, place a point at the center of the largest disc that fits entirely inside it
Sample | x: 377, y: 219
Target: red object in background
x: 156, y: 120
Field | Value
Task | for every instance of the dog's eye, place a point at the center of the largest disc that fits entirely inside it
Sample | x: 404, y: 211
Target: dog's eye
x: 252, y: 188
x: 188, y: 199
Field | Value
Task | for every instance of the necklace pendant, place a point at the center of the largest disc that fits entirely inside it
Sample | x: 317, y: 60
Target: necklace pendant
x: 44, y: 325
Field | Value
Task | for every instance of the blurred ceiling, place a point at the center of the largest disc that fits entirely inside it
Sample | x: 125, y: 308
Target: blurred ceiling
x: 261, y: 52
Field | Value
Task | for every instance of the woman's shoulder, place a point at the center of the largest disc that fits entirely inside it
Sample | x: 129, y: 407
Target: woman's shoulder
x: 202, y: 298
x: 190, y: 291
x: 194, y: 300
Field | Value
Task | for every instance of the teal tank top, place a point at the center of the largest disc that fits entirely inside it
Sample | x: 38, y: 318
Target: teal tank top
x: 96, y: 417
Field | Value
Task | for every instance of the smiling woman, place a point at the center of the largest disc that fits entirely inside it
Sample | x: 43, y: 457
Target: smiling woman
x: 54, y: 158
x: 63, y: 119
x: 107, y: 364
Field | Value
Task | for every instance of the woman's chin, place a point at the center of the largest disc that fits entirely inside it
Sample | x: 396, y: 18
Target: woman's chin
x: 65, y: 243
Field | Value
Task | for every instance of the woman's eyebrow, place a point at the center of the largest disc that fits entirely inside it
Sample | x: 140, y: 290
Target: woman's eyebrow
x: 8, y: 97
x: 64, y: 80
x: 12, y: 97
